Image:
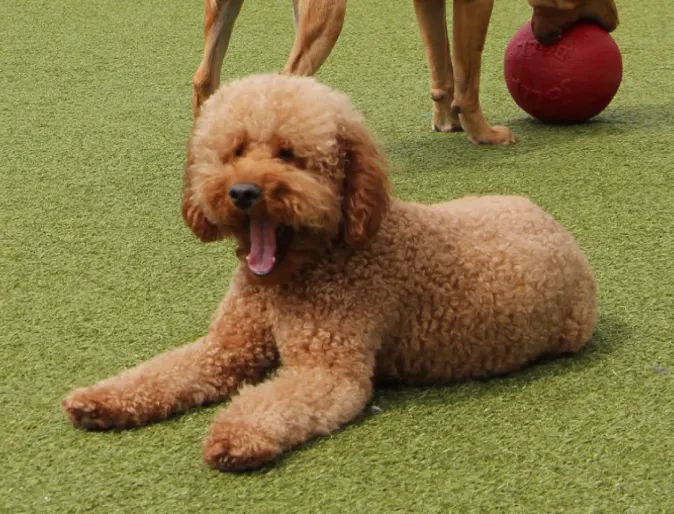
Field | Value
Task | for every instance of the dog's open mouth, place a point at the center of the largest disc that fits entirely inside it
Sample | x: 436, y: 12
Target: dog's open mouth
x: 269, y: 243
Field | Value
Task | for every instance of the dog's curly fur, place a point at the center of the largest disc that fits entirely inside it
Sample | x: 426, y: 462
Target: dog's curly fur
x: 366, y: 288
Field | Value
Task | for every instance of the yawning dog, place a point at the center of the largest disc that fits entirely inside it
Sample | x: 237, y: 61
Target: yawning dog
x: 340, y: 285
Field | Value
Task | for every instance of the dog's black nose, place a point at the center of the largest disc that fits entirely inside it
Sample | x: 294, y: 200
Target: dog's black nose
x: 244, y: 195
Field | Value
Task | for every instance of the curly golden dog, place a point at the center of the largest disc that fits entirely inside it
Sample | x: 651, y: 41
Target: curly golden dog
x: 455, y: 87
x: 340, y: 285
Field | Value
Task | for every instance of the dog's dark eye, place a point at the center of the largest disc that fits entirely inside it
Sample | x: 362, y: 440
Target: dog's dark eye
x: 239, y: 150
x: 286, y: 153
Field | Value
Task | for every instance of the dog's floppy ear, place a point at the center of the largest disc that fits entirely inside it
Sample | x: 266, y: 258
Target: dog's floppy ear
x: 192, y: 215
x: 366, y: 195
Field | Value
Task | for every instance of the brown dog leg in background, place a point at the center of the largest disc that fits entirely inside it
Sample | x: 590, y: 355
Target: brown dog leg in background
x: 432, y: 20
x: 455, y: 89
x: 318, y: 24
x: 219, y: 18
x: 470, y: 23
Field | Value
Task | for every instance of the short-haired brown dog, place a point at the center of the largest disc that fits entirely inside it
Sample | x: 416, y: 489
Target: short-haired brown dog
x: 455, y: 88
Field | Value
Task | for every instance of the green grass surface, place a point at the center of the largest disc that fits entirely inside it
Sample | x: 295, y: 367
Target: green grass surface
x: 98, y: 272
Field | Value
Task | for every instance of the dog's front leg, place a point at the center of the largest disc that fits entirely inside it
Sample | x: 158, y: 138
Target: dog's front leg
x: 318, y: 24
x: 319, y: 388
x: 219, y: 18
x: 237, y: 349
x: 470, y: 24
x: 432, y: 21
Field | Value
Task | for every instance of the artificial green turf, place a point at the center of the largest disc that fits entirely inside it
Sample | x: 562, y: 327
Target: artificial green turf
x: 98, y: 272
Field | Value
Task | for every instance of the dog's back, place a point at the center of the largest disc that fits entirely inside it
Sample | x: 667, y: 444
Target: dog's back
x: 487, y: 285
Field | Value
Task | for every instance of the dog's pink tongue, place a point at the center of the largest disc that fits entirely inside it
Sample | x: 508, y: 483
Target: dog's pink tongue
x: 262, y: 257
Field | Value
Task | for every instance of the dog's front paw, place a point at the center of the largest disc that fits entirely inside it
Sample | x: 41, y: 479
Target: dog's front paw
x: 237, y: 447
x: 96, y: 410
x: 445, y: 120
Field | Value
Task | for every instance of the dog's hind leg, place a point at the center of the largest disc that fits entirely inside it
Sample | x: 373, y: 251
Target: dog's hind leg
x: 432, y: 20
x: 581, y: 321
x: 219, y: 18
x: 470, y: 23
x: 318, y: 24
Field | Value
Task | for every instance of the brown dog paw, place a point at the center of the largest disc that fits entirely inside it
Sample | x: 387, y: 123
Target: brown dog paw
x: 497, y: 135
x: 238, y: 448
x: 447, y: 128
x: 92, y: 410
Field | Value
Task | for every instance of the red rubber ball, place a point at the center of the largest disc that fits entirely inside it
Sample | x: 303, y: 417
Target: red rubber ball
x: 569, y: 81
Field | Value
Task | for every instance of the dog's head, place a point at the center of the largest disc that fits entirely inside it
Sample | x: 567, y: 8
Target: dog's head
x: 285, y: 165
x: 552, y: 17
